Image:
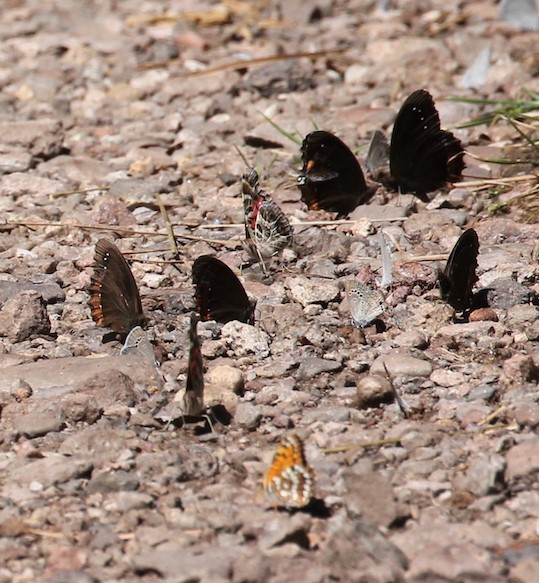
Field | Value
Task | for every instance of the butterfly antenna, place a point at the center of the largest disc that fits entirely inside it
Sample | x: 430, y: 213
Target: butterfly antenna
x: 241, y: 155
x: 404, y: 409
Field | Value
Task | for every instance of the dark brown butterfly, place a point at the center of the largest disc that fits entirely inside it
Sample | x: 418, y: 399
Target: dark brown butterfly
x: 193, y: 399
x: 422, y: 156
x: 267, y: 230
x: 219, y: 294
x: 114, y: 296
x: 458, y: 278
x: 331, y: 177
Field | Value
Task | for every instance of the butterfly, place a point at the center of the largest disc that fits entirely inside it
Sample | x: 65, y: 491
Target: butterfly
x: 378, y: 154
x: 290, y: 481
x: 366, y: 303
x: 459, y: 276
x: 219, y: 294
x: 137, y: 343
x: 267, y: 230
x: 114, y: 297
x: 331, y: 177
x: 193, y: 399
x: 422, y: 156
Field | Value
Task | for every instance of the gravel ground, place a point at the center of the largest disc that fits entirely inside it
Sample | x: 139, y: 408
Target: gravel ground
x: 109, y: 110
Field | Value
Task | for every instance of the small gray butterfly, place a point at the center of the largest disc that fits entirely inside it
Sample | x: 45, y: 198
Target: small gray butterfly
x: 378, y: 155
x: 366, y: 303
x: 137, y: 343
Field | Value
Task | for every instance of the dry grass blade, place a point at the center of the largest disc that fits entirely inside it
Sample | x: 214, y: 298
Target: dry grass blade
x: 115, y: 229
x: 361, y: 444
x: 56, y: 195
x: 168, y: 226
x: 488, y: 182
x: 242, y: 64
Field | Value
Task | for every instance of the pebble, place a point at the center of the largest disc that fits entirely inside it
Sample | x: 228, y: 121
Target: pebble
x: 37, y: 424
x: 52, y: 470
x: 244, y: 340
x: 248, y: 416
x: 522, y: 459
x: 305, y: 291
x: 402, y: 365
x: 23, y: 316
x: 372, y: 390
x: 370, y: 496
x: 311, y: 367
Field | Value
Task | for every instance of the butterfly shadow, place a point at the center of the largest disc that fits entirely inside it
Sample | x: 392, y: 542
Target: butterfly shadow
x: 317, y: 508
x: 217, y: 414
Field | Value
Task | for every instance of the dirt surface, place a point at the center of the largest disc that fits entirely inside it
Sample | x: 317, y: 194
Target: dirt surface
x: 135, y: 103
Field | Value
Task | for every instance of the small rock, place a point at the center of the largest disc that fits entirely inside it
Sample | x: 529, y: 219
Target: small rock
x: 248, y: 416
x: 335, y: 414
x: 519, y: 369
x: 484, y: 475
x: 244, y: 339
x: 37, y: 424
x: 311, y: 367
x: 286, y: 529
x: 412, y: 339
x: 113, y: 481
x: 42, y: 138
x: 447, y: 378
x: 504, y: 293
x: 54, y: 469
x: 305, y: 291
x: 194, y: 564
x: 79, y: 407
x: 51, y: 292
x: 484, y: 315
x: 24, y: 316
x: 372, y: 390
x: 109, y: 387
x: 228, y: 378
x: 527, y: 415
x: 403, y: 365
x: 485, y: 392
x: 20, y: 390
x: 522, y: 459
x: 371, y: 497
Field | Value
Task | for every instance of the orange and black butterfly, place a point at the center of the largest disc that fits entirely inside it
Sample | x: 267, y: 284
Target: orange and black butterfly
x: 114, y: 297
x: 422, y: 156
x: 459, y: 276
x: 331, y: 177
x: 267, y: 230
x: 219, y: 294
x: 290, y: 481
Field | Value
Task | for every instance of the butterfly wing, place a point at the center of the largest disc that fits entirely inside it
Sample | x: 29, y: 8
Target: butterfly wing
x: 378, y: 155
x: 114, y: 297
x: 290, y: 481
x: 193, y: 401
x: 137, y: 343
x: 219, y: 294
x: 423, y: 157
x: 365, y: 303
x: 459, y: 276
x: 267, y: 230
x: 331, y: 177
x: 272, y: 231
